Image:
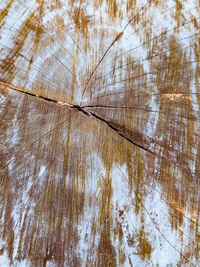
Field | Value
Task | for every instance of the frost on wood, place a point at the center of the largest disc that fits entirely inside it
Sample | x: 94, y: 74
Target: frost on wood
x: 100, y: 133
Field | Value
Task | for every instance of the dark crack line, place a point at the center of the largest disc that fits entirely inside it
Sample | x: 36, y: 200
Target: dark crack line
x: 80, y: 109
x: 60, y: 103
x: 110, y: 125
x: 88, y: 113
x: 119, y: 133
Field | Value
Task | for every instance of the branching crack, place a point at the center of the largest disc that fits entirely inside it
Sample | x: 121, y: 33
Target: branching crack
x: 134, y: 137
